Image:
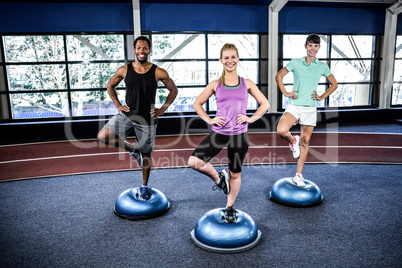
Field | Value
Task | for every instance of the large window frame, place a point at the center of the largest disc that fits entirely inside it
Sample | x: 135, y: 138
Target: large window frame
x: 70, y: 91
x: 330, y: 59
x: 208, y: 59
x: 260, y: 59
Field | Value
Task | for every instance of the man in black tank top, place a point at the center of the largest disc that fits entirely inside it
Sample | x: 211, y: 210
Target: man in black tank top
x: 141, y: 78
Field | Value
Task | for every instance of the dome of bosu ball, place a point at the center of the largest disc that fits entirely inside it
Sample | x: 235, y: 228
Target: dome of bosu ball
x: 286, y: 192
x: 214, y: 234
x: 129, y: 205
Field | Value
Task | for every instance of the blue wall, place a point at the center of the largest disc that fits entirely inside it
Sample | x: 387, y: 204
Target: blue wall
x: 202, y: 17
x: 331, y: 20
x: 65, y: 17
x: 23, y: 17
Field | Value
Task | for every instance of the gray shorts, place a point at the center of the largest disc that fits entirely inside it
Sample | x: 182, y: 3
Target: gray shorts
x: 144, y: 135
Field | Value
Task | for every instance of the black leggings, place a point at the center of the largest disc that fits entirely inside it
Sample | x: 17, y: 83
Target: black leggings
x: 215, y: 142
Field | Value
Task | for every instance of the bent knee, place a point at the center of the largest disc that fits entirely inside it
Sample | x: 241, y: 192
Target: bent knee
x: 304, y: 142
x: 192, y: 162
x: 101, y: 136
x: 106, y: 135
x: 281, y: 131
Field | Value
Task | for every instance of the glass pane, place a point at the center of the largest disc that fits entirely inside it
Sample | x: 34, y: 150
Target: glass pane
x: 247, y: 44
x: 87, y: 103
x: 178, y: 46
x: 288, y: 79
x: 95, y: 47
x: 350, y: 95
x: 293, y: 46
x: 39, y: 105
x: 398, y: 70
x: 251, y: 103
x: 34, y: 48
x: 92, y: 75
x: 246, y: 69
x: 285, y: 100
x: 37, y: 77
x: 183, y: 102
x: 185, y: 73
x: 320, y: 90
x: 351, y: 70
x: 397, y: 94
x: 351, y: 46
x: 212, y: 103
x: 398, y: 51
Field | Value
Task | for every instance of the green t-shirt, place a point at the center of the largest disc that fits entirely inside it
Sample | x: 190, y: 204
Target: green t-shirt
x: 306, y: 79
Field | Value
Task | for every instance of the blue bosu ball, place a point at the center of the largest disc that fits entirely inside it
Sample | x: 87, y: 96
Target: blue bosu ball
x: 129, y: 205
x: 286, y: 192
x: 214, y: 234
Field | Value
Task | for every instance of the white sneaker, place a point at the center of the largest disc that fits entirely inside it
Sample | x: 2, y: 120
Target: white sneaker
x: 299, y: 180
x: 295, y: 147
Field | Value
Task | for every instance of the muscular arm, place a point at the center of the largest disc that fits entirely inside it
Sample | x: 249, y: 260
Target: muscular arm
x: 111, y: 88
x: 162, y: 75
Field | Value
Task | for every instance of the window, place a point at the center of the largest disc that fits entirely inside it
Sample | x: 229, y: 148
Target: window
x: 185, y: 58
x: 61, y: 76
x: 397, y: 87
x: 350, y: 58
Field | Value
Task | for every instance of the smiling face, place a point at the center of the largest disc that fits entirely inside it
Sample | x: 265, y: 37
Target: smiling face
x: 312, y: 49
x: 229, y: 59
x: 142, y: 51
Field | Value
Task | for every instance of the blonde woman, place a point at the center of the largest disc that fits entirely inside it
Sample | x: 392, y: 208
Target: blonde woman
x: 229, y: 126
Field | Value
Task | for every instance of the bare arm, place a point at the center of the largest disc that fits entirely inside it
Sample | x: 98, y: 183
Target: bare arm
x: 279, y: 81
x: 334, y: 85
x: 162, y: 75
x: 261, y: 100
x: 201, y: 99
x: 111, y: 88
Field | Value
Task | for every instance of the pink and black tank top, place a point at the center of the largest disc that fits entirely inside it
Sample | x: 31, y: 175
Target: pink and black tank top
x: 230, y: 102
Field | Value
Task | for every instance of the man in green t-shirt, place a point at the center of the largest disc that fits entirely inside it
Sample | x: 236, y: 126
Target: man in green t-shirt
x: 302, y: 106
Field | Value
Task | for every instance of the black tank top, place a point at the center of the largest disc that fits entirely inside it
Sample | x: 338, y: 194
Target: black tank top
x: 140, y: 95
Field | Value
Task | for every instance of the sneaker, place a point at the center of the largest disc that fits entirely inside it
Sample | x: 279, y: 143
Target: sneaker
x: 143, y: 192
x: 230, y: 215
x: 223, y: 184
x: 295, y: 147
x: 299, y: 180
x: 138, y: 156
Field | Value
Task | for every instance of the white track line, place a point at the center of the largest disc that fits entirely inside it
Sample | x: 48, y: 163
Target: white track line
x: 190, y: 149
x: 196, y: 134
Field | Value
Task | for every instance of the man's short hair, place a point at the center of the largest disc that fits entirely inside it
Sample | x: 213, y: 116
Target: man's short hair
x: 313, y: 38
x: 142, y: 38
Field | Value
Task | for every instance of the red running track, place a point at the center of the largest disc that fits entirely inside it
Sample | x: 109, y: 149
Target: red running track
x: 48, y: 159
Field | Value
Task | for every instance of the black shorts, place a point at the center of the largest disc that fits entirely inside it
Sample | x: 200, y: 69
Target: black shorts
x: 215, y: 142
